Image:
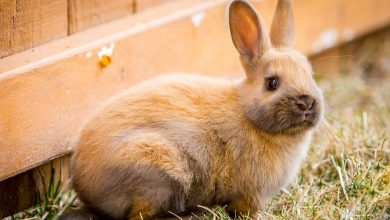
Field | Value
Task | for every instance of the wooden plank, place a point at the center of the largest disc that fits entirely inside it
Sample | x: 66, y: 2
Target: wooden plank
x: 29, y: 23
x: 84, y: 14
x: 324, y: 24
x: 17, y: 193
x: 42, y: 109
x: 141, y: 5
x: 47, y: 94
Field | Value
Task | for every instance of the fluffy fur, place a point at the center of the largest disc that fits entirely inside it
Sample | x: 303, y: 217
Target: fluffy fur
x: 175, y: 142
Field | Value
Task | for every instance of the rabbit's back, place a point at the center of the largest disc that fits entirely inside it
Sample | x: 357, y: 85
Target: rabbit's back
x: 166, y: 123
x: 178, y: 107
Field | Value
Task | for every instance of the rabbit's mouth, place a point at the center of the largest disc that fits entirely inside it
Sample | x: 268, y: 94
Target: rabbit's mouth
x: 289, y: 122
x: 301, y: 126
x: 303, y: 121
x: 284, y: 116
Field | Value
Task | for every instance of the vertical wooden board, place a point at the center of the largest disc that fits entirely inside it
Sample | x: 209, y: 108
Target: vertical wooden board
x: 29, y: 23
x: 83, y: 14
x: 324, y: 24
x: 366, y: 13
x: 312, y: 19
x: 19, y: 192
x: 315, y: 34
x: 140, y: 5
x: 55, y: 170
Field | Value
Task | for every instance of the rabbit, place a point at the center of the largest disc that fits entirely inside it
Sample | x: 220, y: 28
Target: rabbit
x: 177, y: 142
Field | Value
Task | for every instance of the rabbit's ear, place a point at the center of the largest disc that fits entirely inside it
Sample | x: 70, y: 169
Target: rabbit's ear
x: 247, y: 30
x: 282, y: 29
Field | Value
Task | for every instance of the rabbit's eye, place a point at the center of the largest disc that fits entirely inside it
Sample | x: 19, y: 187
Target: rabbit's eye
x: 272, y: 83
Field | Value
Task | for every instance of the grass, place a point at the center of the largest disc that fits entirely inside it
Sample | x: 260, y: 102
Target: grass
x: 345, y: 176
x: 52, y: 200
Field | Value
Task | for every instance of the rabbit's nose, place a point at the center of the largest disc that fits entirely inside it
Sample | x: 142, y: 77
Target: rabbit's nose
x: 305, y: 102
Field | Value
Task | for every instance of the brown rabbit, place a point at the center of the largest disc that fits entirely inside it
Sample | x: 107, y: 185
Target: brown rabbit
x: 176, y: 142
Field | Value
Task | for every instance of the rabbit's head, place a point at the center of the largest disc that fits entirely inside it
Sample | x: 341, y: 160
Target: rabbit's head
x: 279, y: 94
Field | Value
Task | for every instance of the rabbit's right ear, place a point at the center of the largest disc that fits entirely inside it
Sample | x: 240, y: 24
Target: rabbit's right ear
x: 247, y: 29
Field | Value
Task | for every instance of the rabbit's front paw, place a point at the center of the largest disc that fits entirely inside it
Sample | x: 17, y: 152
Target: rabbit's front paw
x: 245, y: 206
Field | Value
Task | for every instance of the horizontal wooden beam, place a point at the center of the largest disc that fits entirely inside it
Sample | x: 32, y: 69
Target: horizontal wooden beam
x: 104, y: 35
x: 48, y: 93
x: 45, y: 101
x: 324, y: 24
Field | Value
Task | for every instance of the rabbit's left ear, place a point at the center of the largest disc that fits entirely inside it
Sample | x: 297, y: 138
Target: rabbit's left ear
x: 247, y: 29
x: 282, y: 29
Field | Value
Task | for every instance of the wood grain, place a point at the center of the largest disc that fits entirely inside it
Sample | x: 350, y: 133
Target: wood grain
x: 29, y: 23
x: 141, y: 5
x: 17, y: 193
x: 84, y: 14
x: 324, y: 24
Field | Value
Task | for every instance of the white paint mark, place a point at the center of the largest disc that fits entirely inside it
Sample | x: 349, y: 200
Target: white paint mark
x: 106, y: 50
x: 327, y: 39
x: 198, y: 18
x: 88, y: 54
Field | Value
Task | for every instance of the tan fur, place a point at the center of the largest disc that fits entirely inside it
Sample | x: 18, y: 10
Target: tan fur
x: 178, y: 141
x: 282, y: 29
x: 144, y: 205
